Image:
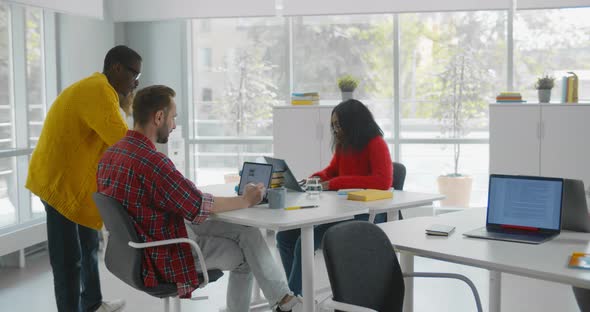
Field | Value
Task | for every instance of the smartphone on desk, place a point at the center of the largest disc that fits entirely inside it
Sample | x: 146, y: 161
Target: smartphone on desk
x: 440, y: 229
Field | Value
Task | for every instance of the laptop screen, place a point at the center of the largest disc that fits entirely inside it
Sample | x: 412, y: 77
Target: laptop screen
x: 254, y: 173
x: 525, y: 201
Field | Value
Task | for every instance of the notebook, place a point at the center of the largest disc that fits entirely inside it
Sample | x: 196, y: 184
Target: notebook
x: 522, y: 209
x: 255, y: 173
x: 289, y: 179
x: 369, y: 195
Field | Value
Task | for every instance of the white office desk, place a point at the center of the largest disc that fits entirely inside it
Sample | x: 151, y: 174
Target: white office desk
x: 547, y: 261
x: 332, y: 209
x: 400, y: 200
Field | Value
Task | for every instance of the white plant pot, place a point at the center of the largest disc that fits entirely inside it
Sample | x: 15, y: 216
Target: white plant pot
x: 347, y: 95
x: 456, y: 189
x: 544, y: 95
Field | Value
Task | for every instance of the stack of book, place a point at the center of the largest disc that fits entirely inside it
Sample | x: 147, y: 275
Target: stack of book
x: 509, y: 97
x: 306, y: 98
x: 277, y: 179
x: 569, y: 88
x: 369, y: 195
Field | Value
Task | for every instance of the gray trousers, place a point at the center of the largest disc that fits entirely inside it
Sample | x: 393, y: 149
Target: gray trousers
x: 241, y: 250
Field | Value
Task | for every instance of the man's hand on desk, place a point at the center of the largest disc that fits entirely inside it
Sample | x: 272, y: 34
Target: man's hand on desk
x: 253, y: 193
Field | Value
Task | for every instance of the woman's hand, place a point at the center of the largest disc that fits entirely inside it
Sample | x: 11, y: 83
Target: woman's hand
x: 325, y: 185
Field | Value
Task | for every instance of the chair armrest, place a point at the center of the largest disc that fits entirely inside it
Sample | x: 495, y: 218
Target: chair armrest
x: 453, y: 276
x: 192, y: 243
x: 329, y: 303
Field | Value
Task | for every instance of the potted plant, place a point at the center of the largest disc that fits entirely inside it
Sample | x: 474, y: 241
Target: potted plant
x: 347, y: 84
x: 544, y: 86
x: 463, y: 85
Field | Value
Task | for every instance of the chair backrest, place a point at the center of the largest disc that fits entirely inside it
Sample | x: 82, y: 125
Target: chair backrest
x: 362, y: 266
x: 399, y: 176
x: 120, y: 259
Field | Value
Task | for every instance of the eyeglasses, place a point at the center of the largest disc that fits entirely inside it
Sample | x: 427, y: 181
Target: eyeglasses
x: 135, y: 73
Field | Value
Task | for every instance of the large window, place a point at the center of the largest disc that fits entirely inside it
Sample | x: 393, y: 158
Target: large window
x: 7, y: 164
x: 35, y: 73
x: 328, y: 47
x: 237, y: 81
x: 22, y: 109
x: 451, y: 66
x: 552, y: 42
x: 429, y: 90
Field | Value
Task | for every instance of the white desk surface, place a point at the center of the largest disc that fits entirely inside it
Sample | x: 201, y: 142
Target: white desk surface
x: 547, y: 261
x: 402, y: 200
x: 331, y: 208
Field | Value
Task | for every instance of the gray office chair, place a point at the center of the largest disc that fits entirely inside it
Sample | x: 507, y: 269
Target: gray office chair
x: 124, y: 253
x: 399, y: 177
x: 364, y: 272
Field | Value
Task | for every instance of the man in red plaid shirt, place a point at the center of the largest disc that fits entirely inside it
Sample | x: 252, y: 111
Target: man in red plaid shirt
x: 163, y: 204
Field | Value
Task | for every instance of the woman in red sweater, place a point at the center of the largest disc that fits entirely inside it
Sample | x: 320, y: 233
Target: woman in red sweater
x: 361, y: 160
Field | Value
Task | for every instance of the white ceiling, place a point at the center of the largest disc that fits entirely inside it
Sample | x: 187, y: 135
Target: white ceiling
x: 151, y: 10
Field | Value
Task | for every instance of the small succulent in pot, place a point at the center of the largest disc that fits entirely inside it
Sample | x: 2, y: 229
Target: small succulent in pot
x: 347, y: 83
x: 545, y: 83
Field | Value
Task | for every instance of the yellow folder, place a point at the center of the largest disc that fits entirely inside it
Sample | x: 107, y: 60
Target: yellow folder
x: 368, y: 195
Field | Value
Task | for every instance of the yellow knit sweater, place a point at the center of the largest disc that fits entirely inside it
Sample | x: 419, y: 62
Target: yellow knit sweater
x: 82, y: 122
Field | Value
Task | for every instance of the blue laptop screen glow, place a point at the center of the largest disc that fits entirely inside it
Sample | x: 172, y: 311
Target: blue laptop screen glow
x: 525, y: 202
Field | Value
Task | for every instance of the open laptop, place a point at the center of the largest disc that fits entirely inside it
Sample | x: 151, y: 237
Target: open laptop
x: 522, y: 209
x: 575, y: 210
x: 289, y: 179
x: 255, y: 173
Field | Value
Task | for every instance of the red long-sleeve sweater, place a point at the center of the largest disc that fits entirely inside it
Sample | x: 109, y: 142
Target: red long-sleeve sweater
x: 369, y: 168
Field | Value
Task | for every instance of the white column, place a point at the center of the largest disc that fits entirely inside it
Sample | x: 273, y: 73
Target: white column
x: 307, y: 268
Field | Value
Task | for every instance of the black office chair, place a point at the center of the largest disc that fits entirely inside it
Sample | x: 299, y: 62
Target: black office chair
x: 124, y: 253
x: 399, y: 177
x: 364, y: 272
x: 582, y: 298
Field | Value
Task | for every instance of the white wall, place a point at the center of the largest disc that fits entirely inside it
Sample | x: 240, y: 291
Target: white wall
x: 81, y: 46
x: 162, y: 46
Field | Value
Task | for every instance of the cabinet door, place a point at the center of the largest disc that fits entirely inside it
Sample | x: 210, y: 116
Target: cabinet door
x: 296, y: 138
x: 514, y: 139
x: 326, y: 137
x: 565, y: 151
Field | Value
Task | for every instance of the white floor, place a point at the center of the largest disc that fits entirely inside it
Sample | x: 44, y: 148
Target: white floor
x: 31, y: 289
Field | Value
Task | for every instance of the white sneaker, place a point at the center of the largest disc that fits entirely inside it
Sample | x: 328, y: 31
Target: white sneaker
x: 295, y: 304
x: 111, y: 306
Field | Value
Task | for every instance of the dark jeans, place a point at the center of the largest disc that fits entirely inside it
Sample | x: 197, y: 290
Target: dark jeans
x: 73, y: 257
x: 289, y: 245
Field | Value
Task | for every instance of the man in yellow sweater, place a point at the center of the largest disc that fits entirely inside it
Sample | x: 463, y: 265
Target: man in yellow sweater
x: 83, y: 121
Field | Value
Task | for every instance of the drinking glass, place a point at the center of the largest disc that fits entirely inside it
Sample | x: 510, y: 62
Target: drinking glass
x: 313, y: 187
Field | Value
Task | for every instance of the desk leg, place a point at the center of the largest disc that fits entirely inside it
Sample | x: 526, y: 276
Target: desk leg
x: 307, y: 268
x: 407, y: 264
x: 495, y: 291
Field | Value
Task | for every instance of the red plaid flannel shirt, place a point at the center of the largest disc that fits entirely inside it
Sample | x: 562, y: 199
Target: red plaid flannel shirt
x: 157, y: 197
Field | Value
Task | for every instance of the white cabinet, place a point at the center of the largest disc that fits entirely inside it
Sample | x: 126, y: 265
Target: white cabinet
x: 540, y: 139
x: 302, y: 137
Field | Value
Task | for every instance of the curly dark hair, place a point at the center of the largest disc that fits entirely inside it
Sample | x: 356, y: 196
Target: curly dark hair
x: 357, y: 125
